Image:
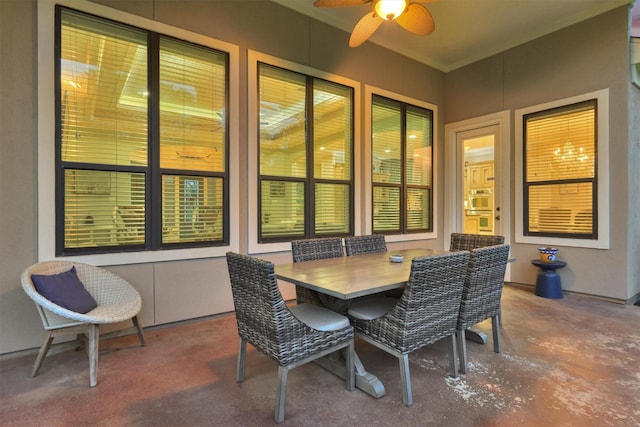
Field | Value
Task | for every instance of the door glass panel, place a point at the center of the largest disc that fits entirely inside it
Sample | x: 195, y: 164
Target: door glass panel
x: 479, y: 184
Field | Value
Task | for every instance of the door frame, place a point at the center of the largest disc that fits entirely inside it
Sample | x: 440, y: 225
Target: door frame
x: 454, y: 172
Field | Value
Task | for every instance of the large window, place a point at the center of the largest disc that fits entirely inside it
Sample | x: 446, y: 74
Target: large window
x: 141, y: 138
x: 563, y: 171
x: 305, y: 143
x: 402, y: 169
x: 560, y: 162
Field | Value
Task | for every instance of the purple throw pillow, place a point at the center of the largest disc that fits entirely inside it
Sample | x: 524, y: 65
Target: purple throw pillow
x: 66, y: 290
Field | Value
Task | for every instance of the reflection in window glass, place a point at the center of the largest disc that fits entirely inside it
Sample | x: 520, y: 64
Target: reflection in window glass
x: 192, y: 103
x: 419, y: 145
x: 332, y: 209
x: 417, y: 208
x: 282, y: 123
x: 192, y: 209
x: 386, y: 214
x: 95, y: 60
x: 282, y: 205
x: 332, y: 128
x: 98, y: 208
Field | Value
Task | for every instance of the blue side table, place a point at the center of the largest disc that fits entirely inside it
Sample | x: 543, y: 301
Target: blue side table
x: 548, y: 283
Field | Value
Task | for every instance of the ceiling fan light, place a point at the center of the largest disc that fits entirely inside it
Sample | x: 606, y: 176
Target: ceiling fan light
x: 390, y: 9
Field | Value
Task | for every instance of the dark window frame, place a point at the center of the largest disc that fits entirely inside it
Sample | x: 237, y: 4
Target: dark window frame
x: 526, y: 185
x: 153, y: 172
x: 309, y: 182
x: 404, y: 186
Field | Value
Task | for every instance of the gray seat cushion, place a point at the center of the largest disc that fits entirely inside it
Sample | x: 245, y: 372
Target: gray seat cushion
x: 372, y: 308
x: 319, y: 318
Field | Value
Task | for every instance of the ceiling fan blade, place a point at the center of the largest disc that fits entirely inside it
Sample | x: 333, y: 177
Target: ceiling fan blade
x: 366, y: 26
x: 339, y: 3
x: 417, y: 19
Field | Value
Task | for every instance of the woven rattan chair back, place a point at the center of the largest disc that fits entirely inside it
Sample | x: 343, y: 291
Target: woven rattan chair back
x: 426, y: 312
x: 265, y: 322
x: 313, y: 249
x: 370, y: 244
x: 117, y: 301
x: 482, y: 293
x: 261, y: 314
x: 466, y: 241
x: 310, y: 250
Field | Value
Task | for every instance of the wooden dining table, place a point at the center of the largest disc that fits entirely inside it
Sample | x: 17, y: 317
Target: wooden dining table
x: 339, y: 280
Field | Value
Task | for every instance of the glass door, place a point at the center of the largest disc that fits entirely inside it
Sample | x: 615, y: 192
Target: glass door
x: 479, y: 188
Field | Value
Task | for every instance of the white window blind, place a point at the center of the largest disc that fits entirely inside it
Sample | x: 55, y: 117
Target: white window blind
x: 191, y: 208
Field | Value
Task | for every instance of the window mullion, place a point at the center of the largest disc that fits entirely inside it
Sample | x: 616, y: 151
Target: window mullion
x: 403, y: 169
x: 153, y: 181
x: 309, y: 223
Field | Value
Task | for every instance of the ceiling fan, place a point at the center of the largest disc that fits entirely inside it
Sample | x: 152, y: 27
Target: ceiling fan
x: 413, y: 17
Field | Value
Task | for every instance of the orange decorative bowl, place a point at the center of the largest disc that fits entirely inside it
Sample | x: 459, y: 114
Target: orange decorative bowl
x: 548, y: 254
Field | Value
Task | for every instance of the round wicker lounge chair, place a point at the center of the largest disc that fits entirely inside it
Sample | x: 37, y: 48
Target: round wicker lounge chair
x: 117, y: 301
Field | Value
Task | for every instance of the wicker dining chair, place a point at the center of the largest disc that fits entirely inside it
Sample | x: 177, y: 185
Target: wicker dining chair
x: 116, y: 301
x: 310, y: 250
x: 426, y: 312
x: 291, y: 336
x: 369, y: 244
x: 466, y: 241
x: 481, y: 295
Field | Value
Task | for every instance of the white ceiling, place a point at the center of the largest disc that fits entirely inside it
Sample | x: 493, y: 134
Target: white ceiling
x: 466, y: 30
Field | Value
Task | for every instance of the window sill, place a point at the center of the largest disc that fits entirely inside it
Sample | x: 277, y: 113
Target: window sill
x: 125, y: 258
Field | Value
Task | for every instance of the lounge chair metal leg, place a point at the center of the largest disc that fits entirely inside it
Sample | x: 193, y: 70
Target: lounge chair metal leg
x: 405, y: 376
x: 242, y: 356
x: 282, y: 393
x: 48, y: 339
x: 134, y: 319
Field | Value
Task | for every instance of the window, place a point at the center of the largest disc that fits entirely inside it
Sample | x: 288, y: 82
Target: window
x: 402, y: 169
x: 560, y: 164
x: 305, y: 151
x: 136, y: 171
x: 564, y: 172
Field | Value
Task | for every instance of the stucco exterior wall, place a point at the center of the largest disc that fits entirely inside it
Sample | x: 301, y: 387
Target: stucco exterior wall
x: 583, y: 58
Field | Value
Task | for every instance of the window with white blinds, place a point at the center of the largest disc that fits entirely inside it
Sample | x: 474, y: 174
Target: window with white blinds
x: 141, y: 147
x: 402, y: 167
x: 560, y: 172
x: 305, y: 156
